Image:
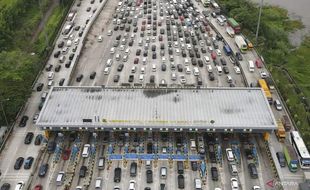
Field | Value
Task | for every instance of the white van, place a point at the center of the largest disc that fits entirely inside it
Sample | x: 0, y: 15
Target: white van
x: 154, y: 68
x: 106, y: 71
x: 50, y: 75
x: 109, y: 62
x: 98, y: 183
x: 209, y: 68
x: 219, y: 70
x: 193, y: 144
x: 50, y: 84
x: 60, y: 178
x: 196, y: 71
x: 198, y: 184
x: 141, y: 78
x: 207, y: 59
x: 251, y: 66
x: 220, y: 21
x: 85, y: 152
x: 163, y: 172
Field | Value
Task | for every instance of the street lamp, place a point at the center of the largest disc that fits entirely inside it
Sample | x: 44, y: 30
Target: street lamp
x: 258, y: 23
x: 3, y: 111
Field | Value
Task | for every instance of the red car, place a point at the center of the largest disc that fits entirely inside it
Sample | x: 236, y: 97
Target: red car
x: 66, y: 154
x: 136, y: 61
x: 258, y: 63
x: 38, y: 187
x: 213, y: 55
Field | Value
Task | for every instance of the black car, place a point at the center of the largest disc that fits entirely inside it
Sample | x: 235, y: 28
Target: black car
x: 23, y: 121
x: 19, y: 162
x: 71, y: 56
x: 28, y: 162
x: 138, y: 52
x: 61, y: 81
x: 68, y: 64
x: 38, y: 139
x: 40, y: 87
x: 181, y: 183
x: 57, y: 68
x: 48, y: 67
x: 61, y: 44
x: 163, y: 67
x: 116, y: 78
x: 43, y: 170
x: 5, y: 186
x: 223, y: 61
x: 239, y: 56
x: 28, y: 138
x: 51, y: 146
x: 149, y: 176
x: 92, y: 75
x: 120, y: 67
x: 83, y: 171
x: 281, y: 158
x: 214, y: 173
x: 194, y: 165
x: 154, y: 55
x: 152, y: 79
x: 131, y: 78
x: 226, y: 70
x: 211, y: 76
x: 79, y: 78
x: 180, y: 67
x: 56, y: 54
x: 149, y: 148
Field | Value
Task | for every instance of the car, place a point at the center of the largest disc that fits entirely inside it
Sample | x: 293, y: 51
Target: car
x: 237, y: 69
x: 5, y: 186
x: 61, y: 81
x: 136, y: 61
x: 182, y: 79
x: 226, y: 70
x: 28, y: 162
x: 234, y: 184
x: 211, y: 76
x: 263, y: 74
x: 79, y: 78
x: 132, y: 185
x: 255, y: 187
x: 28, y: 138
x: 92, y: 75
x: 40, y: 87
x: 116, y: 78
x: 181, y: 182
x: 281, y: 158
x: 56, y: 54
x: 88, y: 9
x: 83, y: 171
x: 239, y: 56
x: 23, y: 121
x: 232, y: 60
x: 214, y: 173
x: 120, y: 67
x: 18, y: 163
x: 43, y: 170
x: 57, y: 68
x: 38, y: 187
x: 19, y: 185
x: 66, y: 154
x: 61, y: 44
x: 38, y: 139
x: 131, y: 78
x: 194, y: 165
x: 149, y: 176
x: 278, y: 105
x: 138, y: 52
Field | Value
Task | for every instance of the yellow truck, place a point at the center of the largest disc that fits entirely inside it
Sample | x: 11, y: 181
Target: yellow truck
x: 280, y: 132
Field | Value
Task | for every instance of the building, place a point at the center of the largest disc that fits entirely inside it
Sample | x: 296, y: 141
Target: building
x: 162, y: 109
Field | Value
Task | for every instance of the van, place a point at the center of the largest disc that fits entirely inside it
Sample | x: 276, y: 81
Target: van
x: 220, y: 21
x: 69, y: 43
x: 50, y: 84
x: 163, y: 172
x: 154, y: 68
x: 110, y: 62
x: 207, y: 59
x: 196, y: 71
x: 219, y: 70
x: 253, y: 170
x: 233, y: 169
x: 98, y: 183
x: 133, y: 169
x: 85, y: 152
x: 133, y: 69
x: 193, y: 144
x: 60, y: 178
x: 197, y: 184
x: 214, y: 173
x: 180, y: 167
x: 229, y: 79
x: 106, y: 70
x: 251, y: 66
x: 50, y: 75
x: 148, y: 164
x: 125, y: 58
x: 101, y: 163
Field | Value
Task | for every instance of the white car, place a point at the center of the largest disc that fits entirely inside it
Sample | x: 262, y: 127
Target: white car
x: 112, y: 50
x: 182, y: 79
x: 230, y: 155
x: 263, y: 74
x: 122, y: 47
x: 234, y: 184
x: 218, y: 52
x: 237, y: 69
x: 100, y: 38
x: 132, y: 185
x: 116, y: 188
x: 256, y: 187
x: 189, y: 46
x: 110, y: 32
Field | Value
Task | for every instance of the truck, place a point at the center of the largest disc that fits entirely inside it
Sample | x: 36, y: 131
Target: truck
x: 291, y: 158
x: 241, y: 43
x: 286, y: 122
x: 234, y: 25
x: 262, y: 83
x: 280, y: 132
x: 230, y: 31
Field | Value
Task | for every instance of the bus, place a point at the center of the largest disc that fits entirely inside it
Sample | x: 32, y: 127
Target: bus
x: 234, y: 24
x: 262, y: 83
x: 241, y: 43
x: 227, y: 50
x: 301, y: 150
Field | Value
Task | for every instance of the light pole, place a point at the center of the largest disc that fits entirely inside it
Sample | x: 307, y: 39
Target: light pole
x: 258, y: 23
x: 3, y: 111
